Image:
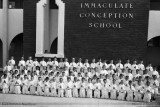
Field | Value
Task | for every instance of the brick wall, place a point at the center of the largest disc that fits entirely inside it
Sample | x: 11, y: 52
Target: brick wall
x: 128, y: 42
x: 81, y: 41
x: 29, y: 27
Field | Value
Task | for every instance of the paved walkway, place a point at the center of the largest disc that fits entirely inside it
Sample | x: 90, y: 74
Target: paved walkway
x: 12, y: 100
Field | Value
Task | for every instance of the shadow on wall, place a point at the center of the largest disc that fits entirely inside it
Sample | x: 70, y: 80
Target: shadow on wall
x: 153, y: 51
x: 16, y: 47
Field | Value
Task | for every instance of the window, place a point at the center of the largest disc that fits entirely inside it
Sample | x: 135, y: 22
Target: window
x: 15, y: 4
x: 1, y: 2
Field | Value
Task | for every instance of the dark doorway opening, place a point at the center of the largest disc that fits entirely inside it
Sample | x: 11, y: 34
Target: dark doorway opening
x: 16, y: 47
x: 153, y: 51
x: 54, y: 45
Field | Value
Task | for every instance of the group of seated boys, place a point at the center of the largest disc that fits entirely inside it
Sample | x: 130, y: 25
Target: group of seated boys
x: 98, y: 79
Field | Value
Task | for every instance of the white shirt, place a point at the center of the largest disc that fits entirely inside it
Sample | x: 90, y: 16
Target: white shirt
x: 49, y: 63
x: 86, y: 65
x: 22, y: 63
x: 104, y: 72
x: 90, y: 86
x: 54, y: 85
x: 113, y: 66
x: 122, y: 88
x: 141, y: 67
x: 130, y: 76
x: 155, y: 73
x: 150, y: 68
x: 134, y: 66
x: 61, y: 86
x: 99, y: 64
x: 79, y: 65
x: 43, y: 63
x: 70, y: 85
x: 55, y: 63
x: 66, y: 64
x: 76, y: 85
x: 93, y: 65
x: 35, y: 63
x: 127, y: 65
x: 73, y: 64
x: 25, y: 82
x: 119, y: 65
x: 98, y: 86
x: 12, y: 62
x: 29, y: 62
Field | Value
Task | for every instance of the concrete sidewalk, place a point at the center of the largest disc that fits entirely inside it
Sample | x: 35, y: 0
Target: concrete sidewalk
x: 11, y: 100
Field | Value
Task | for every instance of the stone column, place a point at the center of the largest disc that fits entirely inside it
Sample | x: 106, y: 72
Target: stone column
x: 61, y: 22
x: 5, y: 31
x: 42, y: 27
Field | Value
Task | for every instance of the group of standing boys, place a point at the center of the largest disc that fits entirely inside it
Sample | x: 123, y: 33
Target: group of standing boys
x: 131, y: 82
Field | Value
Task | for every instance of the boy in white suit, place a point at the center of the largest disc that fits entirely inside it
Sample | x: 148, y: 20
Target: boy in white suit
x: 113, y: 92
x: 130, y: 91
x: 90, y: 88
x: 69, y: 87
x: 122, y: 91
x: 147, y: 92
x: 138, y: 92
x: 61, y: 88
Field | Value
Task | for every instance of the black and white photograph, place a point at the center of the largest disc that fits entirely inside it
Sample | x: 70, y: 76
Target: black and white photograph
x: 79, y: 53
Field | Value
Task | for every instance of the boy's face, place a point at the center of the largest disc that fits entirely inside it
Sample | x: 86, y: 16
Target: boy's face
x: 114, y: 81
x: 55, y: 59
x: 69, y: 79
x: 83, y: 79
x: 93, y: 61
x: 75, y: 79
x: 73, y: 60
x: 30, y: 58
x: 49, y: 59
x: 18, y: 77
x: 148, y: 83
x: 22, y: 58
x: 61, y: 60
x: 139, y: 82
x: 61, y: 80
x: 86, y: 61
x: 12, y: 58
x: 25, y: 77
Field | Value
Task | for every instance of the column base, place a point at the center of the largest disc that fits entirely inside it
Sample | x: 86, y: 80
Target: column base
x: 49, y: 55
